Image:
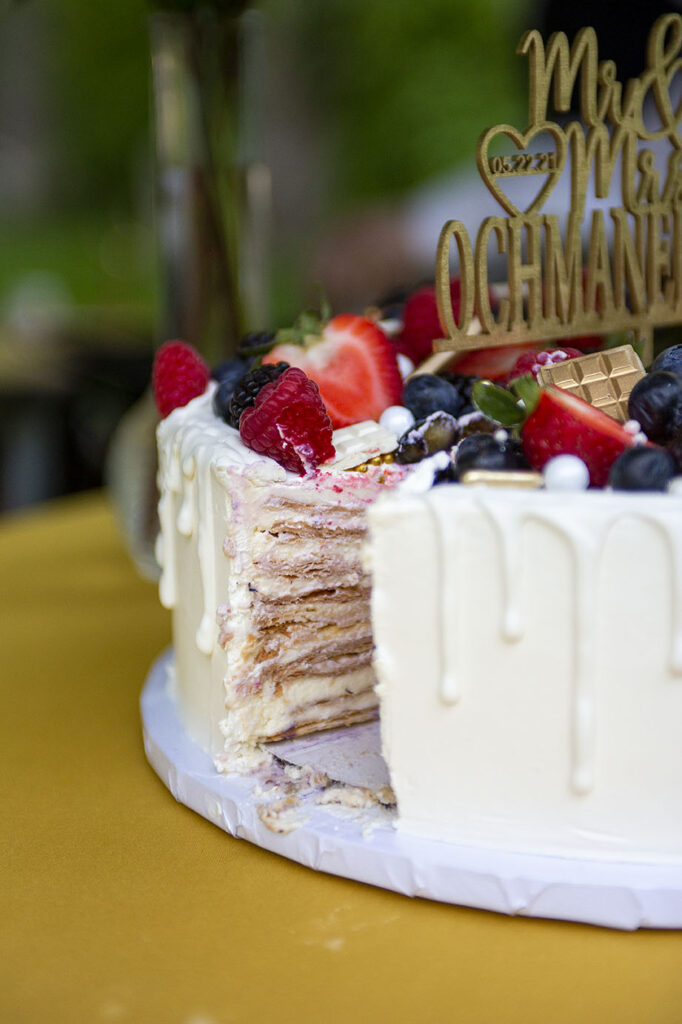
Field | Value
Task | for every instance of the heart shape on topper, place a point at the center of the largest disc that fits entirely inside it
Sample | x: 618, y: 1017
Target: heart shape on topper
x: 522, y: 140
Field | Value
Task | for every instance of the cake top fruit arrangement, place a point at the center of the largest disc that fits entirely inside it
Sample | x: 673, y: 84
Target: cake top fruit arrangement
x: 286, y: 392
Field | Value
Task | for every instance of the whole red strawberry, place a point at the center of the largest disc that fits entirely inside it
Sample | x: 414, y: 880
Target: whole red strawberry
x: 421, y: 324
x: 563, y: 424
x: 350, y: 359
x: 289, y: 423
x: 532, y: 362
x: 179, y: 374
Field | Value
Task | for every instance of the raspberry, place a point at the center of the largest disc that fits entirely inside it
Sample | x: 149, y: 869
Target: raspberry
x: 288, y: 422
x: 531, y: 362
x: 179, y: 374
x: 247, y: 389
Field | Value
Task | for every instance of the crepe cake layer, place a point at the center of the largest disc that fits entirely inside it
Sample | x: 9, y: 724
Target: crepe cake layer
x: 271, y: 605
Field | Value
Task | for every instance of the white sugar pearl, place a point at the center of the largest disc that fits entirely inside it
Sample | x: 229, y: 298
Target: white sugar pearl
x: 405, y: 365
x: 501, y: 435
x: 566, y: 473
x: 632, y: 426
x: 396, y: 419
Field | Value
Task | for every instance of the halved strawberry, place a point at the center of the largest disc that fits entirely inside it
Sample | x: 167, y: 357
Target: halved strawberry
x: 354, y: 365
x: 493, y: 363
x: 563, y: 424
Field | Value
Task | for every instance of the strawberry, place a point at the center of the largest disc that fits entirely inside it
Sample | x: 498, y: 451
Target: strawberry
x: 289, y: 422
x: 493, y: 363
x: 421, y: 323
x: 352, y: 362
x: 563, y: 424
x: 531, y: 362
x: 179, y: 374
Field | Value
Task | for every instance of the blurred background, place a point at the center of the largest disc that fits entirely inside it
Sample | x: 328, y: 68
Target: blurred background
x: 199, y: 170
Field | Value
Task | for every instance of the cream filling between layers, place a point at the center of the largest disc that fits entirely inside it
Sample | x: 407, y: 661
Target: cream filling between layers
x: 269, y: 563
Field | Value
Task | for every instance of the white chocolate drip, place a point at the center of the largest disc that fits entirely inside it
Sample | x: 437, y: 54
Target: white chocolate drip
x: 585, y: 545
x: 449, y: 592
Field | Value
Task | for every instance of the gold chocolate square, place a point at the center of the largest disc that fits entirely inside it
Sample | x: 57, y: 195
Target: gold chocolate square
x: 604, y: 379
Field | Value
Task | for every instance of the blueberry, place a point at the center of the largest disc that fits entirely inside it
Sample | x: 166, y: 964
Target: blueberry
x: 428, y: 393
x: 440, y: 431
x: 643, y: 468
x: 228, y: 373
x: 675, y: 448
x: 436, y: 433
x: 670, y: 360
x: 411, y: 448
x: 230, y: 369
x: 464, y: 385
x: 656, y: 403
x: 484, y: 451
x: 447, y: 475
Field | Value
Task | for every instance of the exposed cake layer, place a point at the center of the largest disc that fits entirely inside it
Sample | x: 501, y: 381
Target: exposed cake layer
x: 529, y: 651
x: 271, y: 620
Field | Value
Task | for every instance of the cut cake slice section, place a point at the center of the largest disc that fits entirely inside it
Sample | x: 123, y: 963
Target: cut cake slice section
x: 262, y: 569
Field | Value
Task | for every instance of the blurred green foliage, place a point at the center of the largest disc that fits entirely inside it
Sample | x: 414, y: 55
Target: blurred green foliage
x: 398, y: 91
x: 404, y: 89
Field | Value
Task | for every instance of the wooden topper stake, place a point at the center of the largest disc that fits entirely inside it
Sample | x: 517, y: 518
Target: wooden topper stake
x: 630, y: 277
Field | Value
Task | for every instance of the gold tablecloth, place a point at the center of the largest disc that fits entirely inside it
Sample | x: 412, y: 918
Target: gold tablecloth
x: 119, y: 904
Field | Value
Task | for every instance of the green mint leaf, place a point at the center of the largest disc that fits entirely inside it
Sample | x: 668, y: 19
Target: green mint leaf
x: 497, y: 404
x: 527, y: 389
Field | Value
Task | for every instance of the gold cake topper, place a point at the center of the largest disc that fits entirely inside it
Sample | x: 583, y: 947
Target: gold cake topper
x: 554, y: 291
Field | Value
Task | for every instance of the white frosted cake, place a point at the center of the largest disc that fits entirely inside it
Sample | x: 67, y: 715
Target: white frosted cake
x: 528, y: 642
x: 262, y: 569
x: 529, y: 651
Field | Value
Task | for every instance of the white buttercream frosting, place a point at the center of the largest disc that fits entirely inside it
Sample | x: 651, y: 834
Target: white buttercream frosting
x: 528, y: 650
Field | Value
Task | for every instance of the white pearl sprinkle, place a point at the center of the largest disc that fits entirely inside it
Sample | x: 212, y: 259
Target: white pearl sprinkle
x: 501, y: 435
x: 396, y: 419
x: 566, y: 473
x: 632, y: 426
x: 405, y: 365
x: 640, y: 438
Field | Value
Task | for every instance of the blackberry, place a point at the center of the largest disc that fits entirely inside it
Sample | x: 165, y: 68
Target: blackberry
x: 643, y: 468
x: 248, y: 387
x: 656, y: 403
x: 256, y: 343
x: 427, y: 393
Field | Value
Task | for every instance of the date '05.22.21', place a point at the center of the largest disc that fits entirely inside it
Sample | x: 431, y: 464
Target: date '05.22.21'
x: 523, y: 163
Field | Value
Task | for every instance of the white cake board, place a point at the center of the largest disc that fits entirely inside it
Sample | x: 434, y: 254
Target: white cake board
x: 359, y: 846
